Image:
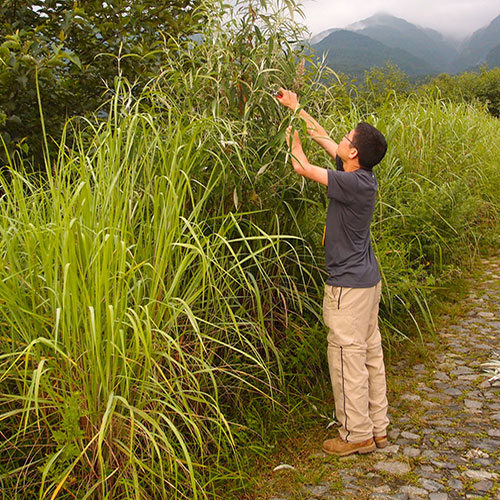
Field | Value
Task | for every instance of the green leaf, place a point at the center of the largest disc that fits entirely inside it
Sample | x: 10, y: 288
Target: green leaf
x: 72, y: 57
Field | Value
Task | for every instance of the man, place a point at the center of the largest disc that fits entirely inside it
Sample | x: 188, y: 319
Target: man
x: 352, y: 290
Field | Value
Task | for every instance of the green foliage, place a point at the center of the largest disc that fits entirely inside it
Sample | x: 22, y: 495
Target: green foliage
x: 141, y: 286
x: 158, y: 305
x: 482, y: 86
x: 381, y: 84
x: 24, y: 58
x: 77, y: 49
x: 439, y: 192
x: 67, y: 438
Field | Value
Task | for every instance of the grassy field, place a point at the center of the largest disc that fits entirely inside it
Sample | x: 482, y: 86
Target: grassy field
x: 161, y: 281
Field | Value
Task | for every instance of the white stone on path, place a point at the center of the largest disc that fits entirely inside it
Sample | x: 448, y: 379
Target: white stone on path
x: 410, y: 397
x: 393, y: 467
x: 389, y: 450
x: 486, y: 314
x: 410, y: 435
x: 480, y: 474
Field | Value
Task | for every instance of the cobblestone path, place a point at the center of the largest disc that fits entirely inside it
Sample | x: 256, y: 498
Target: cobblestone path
x: 445, y: 423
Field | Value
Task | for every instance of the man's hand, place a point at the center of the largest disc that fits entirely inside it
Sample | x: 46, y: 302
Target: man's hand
x: 299, y: 159
x: 295, y: 142
x: 288, y: 99
x: 300, y: 162
x: 314, y: 129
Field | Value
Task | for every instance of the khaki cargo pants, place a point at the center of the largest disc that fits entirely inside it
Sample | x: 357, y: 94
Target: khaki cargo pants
x: 356, y: 361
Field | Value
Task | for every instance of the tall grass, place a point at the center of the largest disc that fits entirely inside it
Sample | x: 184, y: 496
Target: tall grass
x: 439, y: 199
x: 164, y: 278
x: 133, y: 314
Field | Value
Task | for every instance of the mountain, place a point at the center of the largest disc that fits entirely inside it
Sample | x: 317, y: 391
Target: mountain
x: 351, y: 53
x: 415, y: 50
x: 440, y: 38
x: 476, y: 49
x: 493, y: 57
x: 317, y: 38
x: 426, y: 44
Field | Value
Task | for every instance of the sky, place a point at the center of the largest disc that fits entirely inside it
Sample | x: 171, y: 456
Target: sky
x: 455, y: 18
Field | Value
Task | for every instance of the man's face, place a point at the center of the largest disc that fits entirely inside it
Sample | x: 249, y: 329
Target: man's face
x: 345, y: 146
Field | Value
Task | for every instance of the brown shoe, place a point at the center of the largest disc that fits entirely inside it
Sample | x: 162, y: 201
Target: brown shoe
x: 342, y: 448
x: 380, y: 441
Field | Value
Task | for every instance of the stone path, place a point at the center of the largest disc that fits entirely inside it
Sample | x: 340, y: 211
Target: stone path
x: 445, y: 424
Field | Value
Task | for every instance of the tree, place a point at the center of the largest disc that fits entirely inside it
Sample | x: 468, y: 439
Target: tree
x: 482, y: 86
x: 75, y: 49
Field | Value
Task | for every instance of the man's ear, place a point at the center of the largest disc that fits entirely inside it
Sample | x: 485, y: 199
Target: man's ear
x: 353, y: 153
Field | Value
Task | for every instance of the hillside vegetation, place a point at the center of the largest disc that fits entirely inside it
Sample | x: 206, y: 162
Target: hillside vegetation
x: 161, y: 277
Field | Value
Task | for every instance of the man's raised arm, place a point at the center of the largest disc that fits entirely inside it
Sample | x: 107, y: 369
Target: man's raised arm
x: 314, y: 129
x: 300, y: 162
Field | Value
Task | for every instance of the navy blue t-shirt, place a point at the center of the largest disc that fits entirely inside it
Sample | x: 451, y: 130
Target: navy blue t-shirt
x: 349, y: 256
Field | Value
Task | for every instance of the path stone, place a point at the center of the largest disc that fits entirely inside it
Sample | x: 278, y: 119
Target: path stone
x: 438, y: 496
x: 413, y: 490
x: 411, y: 452
x: 456, y: 484
x: 486, y: 314
x: 318, y: 490
x: 393, y: 467
x: 411, y: 397
x: 410, y: 435
x: 381, y: 496
x: 483, y: 485
x: 430, y: 484
x: 480, y: 474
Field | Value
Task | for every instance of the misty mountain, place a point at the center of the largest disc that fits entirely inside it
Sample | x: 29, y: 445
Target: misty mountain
x: 351, y: 53
x: 493, y: 57
x: 320, y: 36
x: 476, y: 49
x: 439, y: 37
x: 417, y: 51
x: 426, y: 44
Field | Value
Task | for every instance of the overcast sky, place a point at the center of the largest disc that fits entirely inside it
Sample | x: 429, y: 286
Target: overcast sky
x: 457, y: 18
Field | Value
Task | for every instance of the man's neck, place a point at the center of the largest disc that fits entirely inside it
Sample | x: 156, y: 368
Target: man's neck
x: 351, y: 166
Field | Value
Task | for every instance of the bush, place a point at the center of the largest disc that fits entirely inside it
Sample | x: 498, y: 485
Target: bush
x: 482, y: 87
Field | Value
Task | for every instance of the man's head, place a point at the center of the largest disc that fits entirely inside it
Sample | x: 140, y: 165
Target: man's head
x: 370, y: 143
x: 363, y: 147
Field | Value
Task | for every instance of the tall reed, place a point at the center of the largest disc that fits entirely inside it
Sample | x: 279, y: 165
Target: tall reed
x: 133, y: 314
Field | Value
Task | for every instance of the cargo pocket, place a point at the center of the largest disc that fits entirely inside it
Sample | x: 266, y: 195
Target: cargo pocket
x: 342, y: 330
x: 341, y: 323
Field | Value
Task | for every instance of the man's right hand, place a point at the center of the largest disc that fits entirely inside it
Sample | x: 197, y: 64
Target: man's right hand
x: 288, y: 99
x: 314, y: 129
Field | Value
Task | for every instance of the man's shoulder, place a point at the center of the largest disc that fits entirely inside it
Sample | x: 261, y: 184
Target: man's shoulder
x: 366, y: 177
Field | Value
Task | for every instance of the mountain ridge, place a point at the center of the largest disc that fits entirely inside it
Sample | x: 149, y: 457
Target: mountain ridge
x: 352, y: 53
x: 477, y: 47
x: 423, y: 51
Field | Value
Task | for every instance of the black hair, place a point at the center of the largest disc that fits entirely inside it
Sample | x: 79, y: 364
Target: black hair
x: 370, y: 143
